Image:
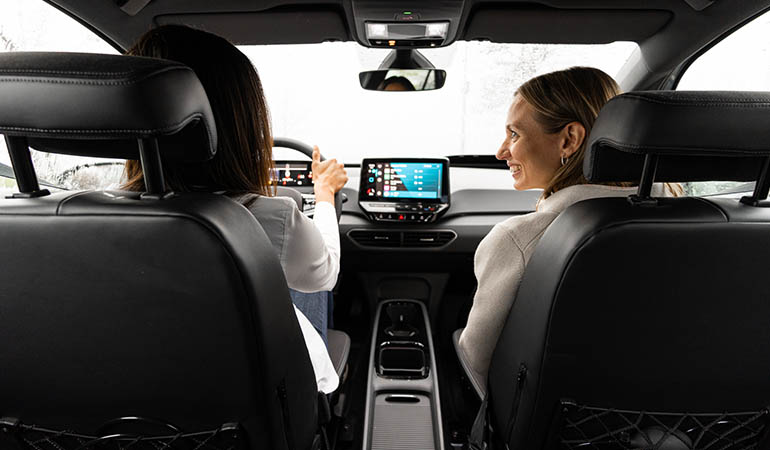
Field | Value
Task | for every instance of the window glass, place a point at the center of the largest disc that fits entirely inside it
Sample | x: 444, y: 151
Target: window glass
x: 740, y: 62
x: 314, y: 95
x: 33, y: 25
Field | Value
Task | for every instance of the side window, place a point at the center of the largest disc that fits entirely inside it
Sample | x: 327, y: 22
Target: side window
x: 740, y: 62
x: 33, y: 25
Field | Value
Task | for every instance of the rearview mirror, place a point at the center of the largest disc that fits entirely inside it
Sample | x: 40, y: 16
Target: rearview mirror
x: 402, y: 79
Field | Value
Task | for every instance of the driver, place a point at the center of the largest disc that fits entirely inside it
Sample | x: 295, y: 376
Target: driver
x: 309, y: 250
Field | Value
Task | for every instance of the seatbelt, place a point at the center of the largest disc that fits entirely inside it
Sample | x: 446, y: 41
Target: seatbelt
x: 479, y: 436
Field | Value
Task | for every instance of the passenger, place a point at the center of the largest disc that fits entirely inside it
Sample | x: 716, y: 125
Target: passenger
x: 396, y: 83
x: 545, y: 139
x: 309, y: 250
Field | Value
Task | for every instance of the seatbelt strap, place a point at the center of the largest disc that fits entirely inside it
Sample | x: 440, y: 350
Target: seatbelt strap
x: 477, y: 439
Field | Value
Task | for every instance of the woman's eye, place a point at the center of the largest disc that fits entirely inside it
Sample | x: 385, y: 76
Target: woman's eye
x: 514, y: 135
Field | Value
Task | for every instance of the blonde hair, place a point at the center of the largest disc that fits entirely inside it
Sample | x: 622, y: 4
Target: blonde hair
x: 559, y: 98
x: 576, y: 94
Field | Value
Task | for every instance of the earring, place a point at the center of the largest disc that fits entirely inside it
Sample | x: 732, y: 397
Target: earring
x: 563, y: 160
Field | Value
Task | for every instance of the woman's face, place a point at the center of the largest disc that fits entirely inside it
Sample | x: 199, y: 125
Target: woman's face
x: 533, y: 156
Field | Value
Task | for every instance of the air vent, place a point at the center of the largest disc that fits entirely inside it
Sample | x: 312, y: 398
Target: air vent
x: 428, y: 238
x: 369, y: 238
x: 404, y: 239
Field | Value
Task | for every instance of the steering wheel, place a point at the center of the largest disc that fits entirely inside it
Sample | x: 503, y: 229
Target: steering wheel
x: 307, y: 150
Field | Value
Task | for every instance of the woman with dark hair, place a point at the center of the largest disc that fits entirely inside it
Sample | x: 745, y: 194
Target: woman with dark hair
x: 309, y: 250
x: 545, y: 140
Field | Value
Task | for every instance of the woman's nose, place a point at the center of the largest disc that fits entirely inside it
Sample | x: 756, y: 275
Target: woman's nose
x: 504, y: 152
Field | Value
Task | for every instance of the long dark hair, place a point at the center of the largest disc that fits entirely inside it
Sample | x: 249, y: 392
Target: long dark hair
x: 244, y: 152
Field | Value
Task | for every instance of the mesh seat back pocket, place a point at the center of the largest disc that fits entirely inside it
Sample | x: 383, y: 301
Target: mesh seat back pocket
x: 591, y: 428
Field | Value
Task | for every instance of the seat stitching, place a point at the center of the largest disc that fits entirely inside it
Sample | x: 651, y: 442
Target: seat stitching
x: 94, y: 130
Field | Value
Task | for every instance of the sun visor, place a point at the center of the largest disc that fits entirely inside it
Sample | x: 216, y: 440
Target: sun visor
x: 544, y: 25
x: 273, y: 26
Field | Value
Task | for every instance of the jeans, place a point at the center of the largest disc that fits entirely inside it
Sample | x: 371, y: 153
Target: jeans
x: 316, y: 307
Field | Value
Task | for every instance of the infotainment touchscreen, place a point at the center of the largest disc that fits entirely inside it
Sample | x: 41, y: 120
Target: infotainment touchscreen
x: 404, y: 189
x: 402, y: 180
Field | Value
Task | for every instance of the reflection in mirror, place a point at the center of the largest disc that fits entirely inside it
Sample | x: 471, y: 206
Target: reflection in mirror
x: 402, y: 79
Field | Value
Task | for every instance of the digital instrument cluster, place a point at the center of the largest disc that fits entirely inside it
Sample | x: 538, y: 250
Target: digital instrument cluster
x: 405, y: 189
x: 292, y: 173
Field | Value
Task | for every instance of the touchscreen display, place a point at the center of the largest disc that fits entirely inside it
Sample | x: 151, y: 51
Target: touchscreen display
x: 407, y: 180
x: 292, y: 174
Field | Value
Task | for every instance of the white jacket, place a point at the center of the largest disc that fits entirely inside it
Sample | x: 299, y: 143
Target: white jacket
x: 499, y: 265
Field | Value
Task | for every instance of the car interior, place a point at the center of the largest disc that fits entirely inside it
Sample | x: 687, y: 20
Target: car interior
x: 163, y: 320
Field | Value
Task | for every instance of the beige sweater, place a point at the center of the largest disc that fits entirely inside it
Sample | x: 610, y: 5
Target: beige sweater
x: 499, y: 265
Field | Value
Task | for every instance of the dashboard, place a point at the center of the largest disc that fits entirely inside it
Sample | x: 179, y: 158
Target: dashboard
x: 461, y: 212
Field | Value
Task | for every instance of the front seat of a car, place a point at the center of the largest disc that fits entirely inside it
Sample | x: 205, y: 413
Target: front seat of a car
x: 643, y: 322
x: 169, y: 312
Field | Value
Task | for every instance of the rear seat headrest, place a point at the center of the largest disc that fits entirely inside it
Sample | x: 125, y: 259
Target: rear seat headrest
x: 696, y: 136
x: 99, y: 105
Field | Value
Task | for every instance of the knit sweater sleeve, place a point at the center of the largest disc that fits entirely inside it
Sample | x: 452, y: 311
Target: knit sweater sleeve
x: 499, y: 265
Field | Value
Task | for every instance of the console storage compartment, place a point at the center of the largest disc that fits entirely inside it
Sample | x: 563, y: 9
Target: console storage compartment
x: 402, y: 401
x: 404, y: 359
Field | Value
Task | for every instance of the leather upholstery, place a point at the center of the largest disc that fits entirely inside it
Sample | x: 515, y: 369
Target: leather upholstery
x: 641, y: 308
x: 700, y: 136
x: 113, y: 305
x: 655, y: 306
x: 173, y: 309
x: 339, y: 350
x: 98, y: 105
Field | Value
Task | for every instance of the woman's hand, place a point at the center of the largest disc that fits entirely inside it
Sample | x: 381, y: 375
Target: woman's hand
x: 328, y: 177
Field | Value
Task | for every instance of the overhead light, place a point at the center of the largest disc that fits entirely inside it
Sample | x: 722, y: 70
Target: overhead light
x: 377, y: 30
x: 437, y: 29
x: 398, y: 30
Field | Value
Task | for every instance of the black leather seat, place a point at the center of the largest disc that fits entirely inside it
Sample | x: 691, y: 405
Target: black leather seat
x: 116, y: 304
x: 643, y: 323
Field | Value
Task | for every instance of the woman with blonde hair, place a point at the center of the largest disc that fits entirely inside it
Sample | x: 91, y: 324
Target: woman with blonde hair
x: 545, y: 138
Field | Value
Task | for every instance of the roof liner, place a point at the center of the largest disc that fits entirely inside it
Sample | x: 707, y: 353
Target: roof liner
x: 276, y: 26
x: 667, y: 31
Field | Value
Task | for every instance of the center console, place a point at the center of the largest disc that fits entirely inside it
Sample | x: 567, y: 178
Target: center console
x: 402, y: 400
x: 405, y: 189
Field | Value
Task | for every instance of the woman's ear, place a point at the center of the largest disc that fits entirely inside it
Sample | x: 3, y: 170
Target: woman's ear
x: 573, y: 135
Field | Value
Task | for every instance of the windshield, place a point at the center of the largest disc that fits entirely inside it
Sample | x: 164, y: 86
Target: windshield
x: 314, y: 95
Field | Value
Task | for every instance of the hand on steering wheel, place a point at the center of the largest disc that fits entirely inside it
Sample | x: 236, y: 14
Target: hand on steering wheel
x: 308, y: 151
x: 328, y: 177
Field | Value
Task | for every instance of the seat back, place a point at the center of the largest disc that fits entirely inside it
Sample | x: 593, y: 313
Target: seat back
x: 171, y: 308
x: 642, y: 323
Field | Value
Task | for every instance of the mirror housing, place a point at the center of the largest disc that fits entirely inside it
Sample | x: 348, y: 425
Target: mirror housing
x: 403, y: 70
x: 402, y: 79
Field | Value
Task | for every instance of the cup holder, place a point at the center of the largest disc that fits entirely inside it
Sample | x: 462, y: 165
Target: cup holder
x: 402, y: 360
x: 402, y: 316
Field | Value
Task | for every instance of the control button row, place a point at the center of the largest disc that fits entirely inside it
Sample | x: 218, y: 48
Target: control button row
x: 417, y: 208
x: 398, y: 217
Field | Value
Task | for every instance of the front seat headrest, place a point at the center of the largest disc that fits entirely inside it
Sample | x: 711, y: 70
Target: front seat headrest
x: 100, y: 105
x: 696, y: 136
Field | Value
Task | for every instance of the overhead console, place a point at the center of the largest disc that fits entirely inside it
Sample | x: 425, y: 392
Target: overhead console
x: 408, y: 190
x: 406, y: 24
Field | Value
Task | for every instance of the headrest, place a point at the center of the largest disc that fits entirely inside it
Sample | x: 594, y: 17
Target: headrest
x: 99, y: 105
x: 698, y: 136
